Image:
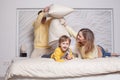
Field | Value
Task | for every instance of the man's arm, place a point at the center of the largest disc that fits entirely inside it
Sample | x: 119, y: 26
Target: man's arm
x: 39, y: 18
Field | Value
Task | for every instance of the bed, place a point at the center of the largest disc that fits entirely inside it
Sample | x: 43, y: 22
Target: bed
x: 76, y: 69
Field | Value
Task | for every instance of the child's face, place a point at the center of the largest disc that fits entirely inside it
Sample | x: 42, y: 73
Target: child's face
x: 64, y: 45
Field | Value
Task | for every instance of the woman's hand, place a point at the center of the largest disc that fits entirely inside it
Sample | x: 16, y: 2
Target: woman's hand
x: 63, y: 22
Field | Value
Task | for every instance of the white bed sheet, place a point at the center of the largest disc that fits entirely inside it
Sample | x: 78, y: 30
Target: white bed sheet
x: 45, y: 68
x: 115, y: 76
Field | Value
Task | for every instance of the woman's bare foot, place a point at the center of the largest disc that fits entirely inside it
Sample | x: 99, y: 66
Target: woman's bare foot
x: 115, y: 54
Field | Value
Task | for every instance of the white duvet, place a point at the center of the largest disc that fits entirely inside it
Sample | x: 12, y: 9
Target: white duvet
x: 48, y: 68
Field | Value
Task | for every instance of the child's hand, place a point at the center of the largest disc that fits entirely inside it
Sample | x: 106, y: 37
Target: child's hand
x: 68, y: 57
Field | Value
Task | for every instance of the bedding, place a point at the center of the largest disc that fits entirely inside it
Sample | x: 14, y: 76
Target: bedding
x: 46, y: 68
x: 113, y: 76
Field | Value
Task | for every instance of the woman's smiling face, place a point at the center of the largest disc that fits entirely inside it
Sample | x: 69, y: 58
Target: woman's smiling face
x: 80, y: 37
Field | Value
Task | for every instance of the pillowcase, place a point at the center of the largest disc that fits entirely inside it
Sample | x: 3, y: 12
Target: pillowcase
x: 56, y: 30
x: 59, y: 11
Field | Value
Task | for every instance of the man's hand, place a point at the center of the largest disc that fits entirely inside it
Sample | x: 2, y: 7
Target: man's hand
x: 47, y: 8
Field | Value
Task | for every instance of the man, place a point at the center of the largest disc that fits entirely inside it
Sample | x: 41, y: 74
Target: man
x: 41, y: 28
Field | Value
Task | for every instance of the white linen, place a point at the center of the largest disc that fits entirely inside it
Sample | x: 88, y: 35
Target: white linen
x: 113, y: 76
x: 48, y: 68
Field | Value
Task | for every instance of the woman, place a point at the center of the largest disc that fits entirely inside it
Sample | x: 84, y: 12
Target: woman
x: 86, y: 46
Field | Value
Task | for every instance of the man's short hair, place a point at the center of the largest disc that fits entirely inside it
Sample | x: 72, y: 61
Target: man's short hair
x: 39, y: 12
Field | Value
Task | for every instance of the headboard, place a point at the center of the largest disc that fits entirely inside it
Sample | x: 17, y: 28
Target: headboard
x: 99, y: 20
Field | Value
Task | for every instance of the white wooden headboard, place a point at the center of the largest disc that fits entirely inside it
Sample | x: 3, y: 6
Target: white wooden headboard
x: 99, y: 20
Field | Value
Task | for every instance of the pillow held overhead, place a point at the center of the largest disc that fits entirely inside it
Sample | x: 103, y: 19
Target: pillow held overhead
x: 59, y: 11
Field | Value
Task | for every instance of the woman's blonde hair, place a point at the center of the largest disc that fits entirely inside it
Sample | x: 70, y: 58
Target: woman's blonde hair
x: 89, y: 39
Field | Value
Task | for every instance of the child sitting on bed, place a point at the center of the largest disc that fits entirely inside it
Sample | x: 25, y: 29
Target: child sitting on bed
x: 63, y: 52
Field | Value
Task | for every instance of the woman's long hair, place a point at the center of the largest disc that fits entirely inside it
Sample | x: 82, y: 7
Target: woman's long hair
x: 89, y: 39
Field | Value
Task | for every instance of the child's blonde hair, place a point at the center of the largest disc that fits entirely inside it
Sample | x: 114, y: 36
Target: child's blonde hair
x: 64, y: 38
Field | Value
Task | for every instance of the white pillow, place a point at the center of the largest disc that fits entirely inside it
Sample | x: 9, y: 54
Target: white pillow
x: 59, y: 11
x: 56, y: 30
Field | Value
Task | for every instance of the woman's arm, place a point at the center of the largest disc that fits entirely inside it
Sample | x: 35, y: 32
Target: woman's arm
x: 71, y: 31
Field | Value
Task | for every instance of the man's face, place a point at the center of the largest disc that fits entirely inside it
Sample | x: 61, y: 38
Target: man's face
x: 43, y: 20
